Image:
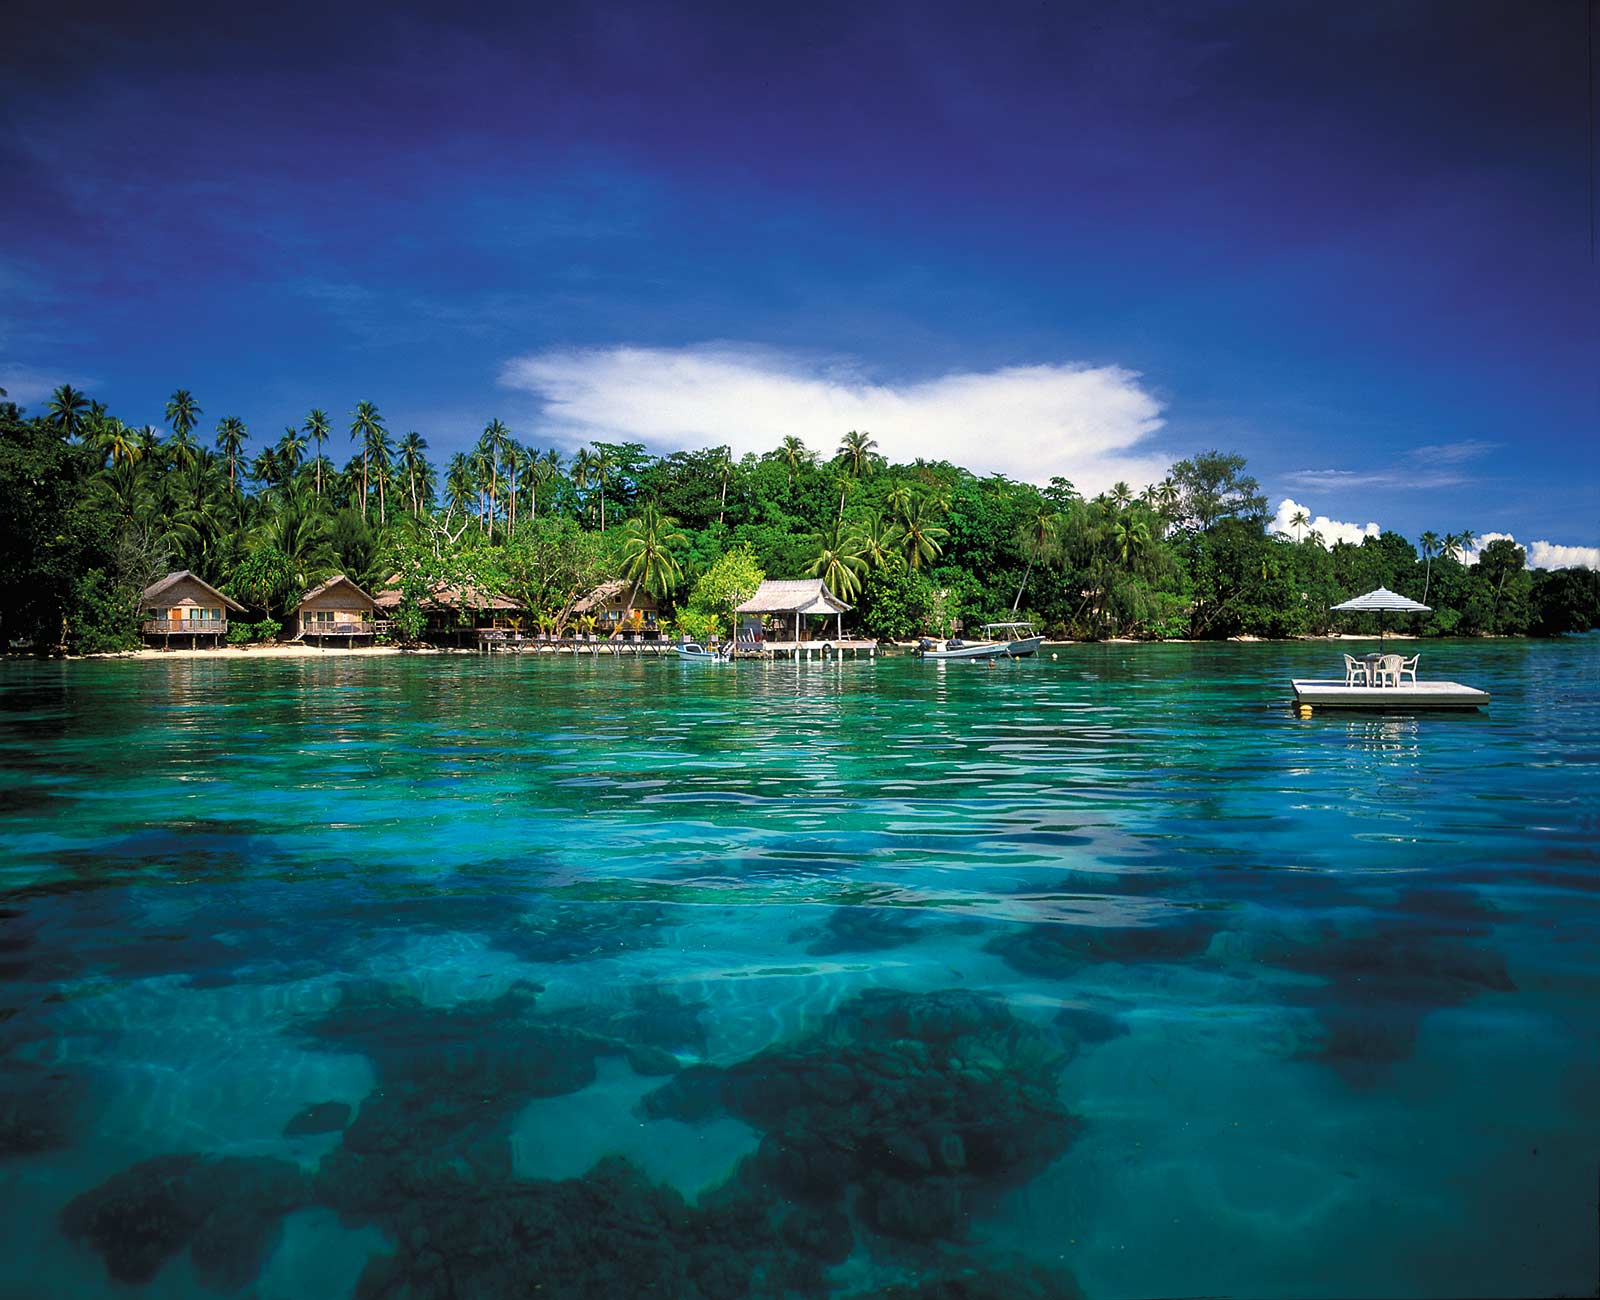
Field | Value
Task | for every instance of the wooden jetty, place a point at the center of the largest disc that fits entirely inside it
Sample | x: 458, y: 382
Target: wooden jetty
x: 1338, y: 694
x: 823, y: 647
x: 501, y: 641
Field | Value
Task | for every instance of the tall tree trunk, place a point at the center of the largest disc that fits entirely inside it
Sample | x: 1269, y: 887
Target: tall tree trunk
x: 1026, y: 573
x: 363, y: 483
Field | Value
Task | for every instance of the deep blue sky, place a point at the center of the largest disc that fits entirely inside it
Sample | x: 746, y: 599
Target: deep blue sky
x: 1325, y: 235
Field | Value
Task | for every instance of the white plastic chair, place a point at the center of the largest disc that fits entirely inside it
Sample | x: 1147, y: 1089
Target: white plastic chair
x: 1387, y: 670
x: 1408, y: 668
x: 1355, y: 672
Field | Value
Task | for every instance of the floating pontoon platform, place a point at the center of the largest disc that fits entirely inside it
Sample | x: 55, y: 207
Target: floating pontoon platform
x: 1337, y: 694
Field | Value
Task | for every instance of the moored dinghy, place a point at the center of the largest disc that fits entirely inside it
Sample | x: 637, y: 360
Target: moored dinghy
x: 694, y: 652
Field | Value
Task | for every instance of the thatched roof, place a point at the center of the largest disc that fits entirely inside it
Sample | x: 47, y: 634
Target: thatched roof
x: 152, y: 595
x: 338, y: 579
x: 448, y: 596
x: 607, y: 592
x: 793, y: 596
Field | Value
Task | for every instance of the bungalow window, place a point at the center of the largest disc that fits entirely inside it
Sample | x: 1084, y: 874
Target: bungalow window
x: 194, y: 614
x: 323, y: 616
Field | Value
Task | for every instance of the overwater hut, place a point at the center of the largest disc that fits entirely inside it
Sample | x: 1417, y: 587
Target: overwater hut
x: 183, y: 605
x: 454, y: 612
x: 777, y: 611
x: 622, y: 606
x: 335, y: 612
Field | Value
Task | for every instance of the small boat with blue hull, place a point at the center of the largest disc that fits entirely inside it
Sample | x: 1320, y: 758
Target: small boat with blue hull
x: 695, y: 653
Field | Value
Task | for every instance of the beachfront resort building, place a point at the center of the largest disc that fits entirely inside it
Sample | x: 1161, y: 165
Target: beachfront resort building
x: 182, y: 605
x: 456, y: 614
x: 335, y: 612
x: 624, y: 607
x: 782, y: 610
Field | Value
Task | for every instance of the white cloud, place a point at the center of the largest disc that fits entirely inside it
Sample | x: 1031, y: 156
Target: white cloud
x: 1472, y: 554
x: 27, y: 386
x: 1542, y: 555
x: 1550, y: 555
x: 1089, y: 424
x: 1332, y: 530
x: 1452, y: 453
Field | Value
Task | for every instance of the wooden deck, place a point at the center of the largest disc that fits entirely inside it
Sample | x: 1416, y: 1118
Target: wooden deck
x: 1336, y: 694
x: 825, y: 647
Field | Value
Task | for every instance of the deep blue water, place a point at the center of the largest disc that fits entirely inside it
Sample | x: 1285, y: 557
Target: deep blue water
x: 449, y: 976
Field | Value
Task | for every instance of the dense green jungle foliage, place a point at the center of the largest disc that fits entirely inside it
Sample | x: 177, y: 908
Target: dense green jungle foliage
x: 92, y: 510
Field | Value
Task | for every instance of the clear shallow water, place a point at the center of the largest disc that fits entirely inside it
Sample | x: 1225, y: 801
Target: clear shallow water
x: 872, y: 973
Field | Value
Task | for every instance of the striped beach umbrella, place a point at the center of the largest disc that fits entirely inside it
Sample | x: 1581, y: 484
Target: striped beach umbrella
x: 1381, y: 602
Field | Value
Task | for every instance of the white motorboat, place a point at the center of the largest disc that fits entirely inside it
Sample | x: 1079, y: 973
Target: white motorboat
x: 694, y: 652
x: 999, y: 641
x: 1020, y: 638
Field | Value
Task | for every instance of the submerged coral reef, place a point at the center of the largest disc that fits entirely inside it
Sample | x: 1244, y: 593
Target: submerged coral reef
x: 888, y: 1126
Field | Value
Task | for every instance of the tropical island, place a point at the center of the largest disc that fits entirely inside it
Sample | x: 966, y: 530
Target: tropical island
x: 95, y: 511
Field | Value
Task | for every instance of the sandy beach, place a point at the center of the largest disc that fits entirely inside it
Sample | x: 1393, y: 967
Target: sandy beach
x: 271, y: 651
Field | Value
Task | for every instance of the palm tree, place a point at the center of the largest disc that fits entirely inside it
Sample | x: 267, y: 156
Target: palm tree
x: 298, y: 528
x: 549, y: 469
x: 583, y: 469
x: 1131, y: 536
x: 382, y: 448
x: 1452, y: 546
x: 1298, y: 521
x: 291, y: 451
x: 458, y: 485
x: 647, y: 558
x: 482, y: 470
x: 839, y: 561
x: 880, y: 541
x: 182, y: 448
x: 855, y: 451
x: 1040, y: 536
x: 794, y: 453
x: 1465, y: 539
x: 231, y: 433
x: 319, y: 428
x: 605, y: 466
x: 183, y: 412
x: 1430, y: 543
x: 264, y: 468
x: 412, y: 464
x: 1121, y: 495
x: 120, y: 442
x: 365, y: 425
x: 492, y: 445
x: 513, y: 455
x: 919, y: 536
x: 67, y: 407
x: 899, y: 499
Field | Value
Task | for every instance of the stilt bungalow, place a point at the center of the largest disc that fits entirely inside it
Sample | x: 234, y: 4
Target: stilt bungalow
x: 776, y: 620
x: 335, y: 612
x: 182, y: 605
x: 624, y: 607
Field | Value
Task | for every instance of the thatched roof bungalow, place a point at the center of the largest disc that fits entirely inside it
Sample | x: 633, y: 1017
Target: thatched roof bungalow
x: 183, y: 605
x: 336, y: 610
x: 447, y: 604
x: 619, y: 604
x: 787, y: 600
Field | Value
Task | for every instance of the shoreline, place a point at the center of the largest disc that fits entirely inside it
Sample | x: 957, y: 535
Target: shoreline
x: 296, y: 651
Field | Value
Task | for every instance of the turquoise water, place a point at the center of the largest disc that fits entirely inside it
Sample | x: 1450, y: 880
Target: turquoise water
x: 450, y: 977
